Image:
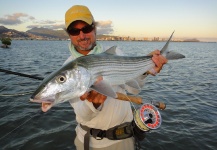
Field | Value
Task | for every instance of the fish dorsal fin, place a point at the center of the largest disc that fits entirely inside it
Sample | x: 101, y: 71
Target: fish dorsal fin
x: 111, y: 50
x: 104, y: 88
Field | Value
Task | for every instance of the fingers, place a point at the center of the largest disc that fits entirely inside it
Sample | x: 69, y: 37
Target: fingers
x: 159, y: 61
x: 155, y: 52
x: 84, y: 96
x: 94, y: 97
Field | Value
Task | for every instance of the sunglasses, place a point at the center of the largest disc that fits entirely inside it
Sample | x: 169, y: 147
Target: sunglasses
x: 85, y: 29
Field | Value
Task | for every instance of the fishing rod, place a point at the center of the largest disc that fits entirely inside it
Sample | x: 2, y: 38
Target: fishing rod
x: 21, y: 74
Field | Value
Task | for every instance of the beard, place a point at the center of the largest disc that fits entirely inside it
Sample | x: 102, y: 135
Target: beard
x: 90, y: 47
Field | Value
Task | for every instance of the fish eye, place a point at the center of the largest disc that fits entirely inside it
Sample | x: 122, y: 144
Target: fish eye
x: 61, y: 79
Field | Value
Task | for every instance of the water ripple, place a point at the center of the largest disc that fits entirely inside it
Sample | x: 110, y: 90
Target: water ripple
x: 187, y: 86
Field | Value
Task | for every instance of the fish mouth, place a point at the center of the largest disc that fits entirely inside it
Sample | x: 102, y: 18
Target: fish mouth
x: 45, y: 104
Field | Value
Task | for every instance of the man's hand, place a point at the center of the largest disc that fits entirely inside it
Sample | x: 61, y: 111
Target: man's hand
x: 159, y: 61
x: 96, y: 98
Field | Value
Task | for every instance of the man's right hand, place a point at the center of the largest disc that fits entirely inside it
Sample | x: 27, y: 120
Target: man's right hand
x: 96, y: 98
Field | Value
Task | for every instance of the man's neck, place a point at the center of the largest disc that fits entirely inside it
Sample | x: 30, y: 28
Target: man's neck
x: 84, y: 52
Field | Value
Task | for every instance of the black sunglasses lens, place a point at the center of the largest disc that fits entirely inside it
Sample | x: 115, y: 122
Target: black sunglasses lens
x: 86, y: 29
x: 74, y: 31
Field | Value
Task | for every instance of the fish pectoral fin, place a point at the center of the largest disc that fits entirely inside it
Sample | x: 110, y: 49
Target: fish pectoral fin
x: 104, y: 88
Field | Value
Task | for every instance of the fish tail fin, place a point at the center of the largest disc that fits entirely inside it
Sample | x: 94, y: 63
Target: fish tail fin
x: 170, y: 55
x: 165, y: 48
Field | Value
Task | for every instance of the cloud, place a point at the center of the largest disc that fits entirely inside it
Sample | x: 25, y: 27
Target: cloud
x: 45, y: 22
x: 15, y: 19
x: 104, y: 27
x: 19, y: 18
x: 48, y: 26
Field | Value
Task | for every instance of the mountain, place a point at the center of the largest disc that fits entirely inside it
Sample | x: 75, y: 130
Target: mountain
x: 5, y: 32
x: 34, y: 33
x: 44, y: 32
x: 3, y: 29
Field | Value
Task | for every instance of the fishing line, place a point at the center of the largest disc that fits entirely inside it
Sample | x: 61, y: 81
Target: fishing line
x: 38, y: 112
x: 131, y: 103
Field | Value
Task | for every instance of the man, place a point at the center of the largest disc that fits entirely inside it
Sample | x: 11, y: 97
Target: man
x: 97, y: 114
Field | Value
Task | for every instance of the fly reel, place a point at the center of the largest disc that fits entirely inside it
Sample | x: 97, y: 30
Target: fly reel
x: 147, y: 117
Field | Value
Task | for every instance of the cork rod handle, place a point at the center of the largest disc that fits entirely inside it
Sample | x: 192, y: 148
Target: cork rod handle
x: 134, y: 99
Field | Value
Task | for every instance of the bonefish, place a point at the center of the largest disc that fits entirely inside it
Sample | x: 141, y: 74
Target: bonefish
x: 78, y: 76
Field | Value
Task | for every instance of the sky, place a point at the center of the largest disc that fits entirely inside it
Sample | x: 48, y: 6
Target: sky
x: 134, y: 18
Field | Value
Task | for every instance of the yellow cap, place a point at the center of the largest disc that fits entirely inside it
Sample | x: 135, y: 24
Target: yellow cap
x: 78, y: 12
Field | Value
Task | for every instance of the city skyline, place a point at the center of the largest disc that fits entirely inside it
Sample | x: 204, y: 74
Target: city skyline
x: 189, y: 19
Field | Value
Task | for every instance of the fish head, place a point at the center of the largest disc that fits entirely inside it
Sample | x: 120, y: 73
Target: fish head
x: 67, y: 83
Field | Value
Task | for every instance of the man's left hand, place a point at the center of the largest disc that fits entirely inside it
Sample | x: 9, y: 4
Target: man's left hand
x: 159, y: 61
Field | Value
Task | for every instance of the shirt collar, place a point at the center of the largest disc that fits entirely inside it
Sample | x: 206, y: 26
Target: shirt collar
x: 96, y: 50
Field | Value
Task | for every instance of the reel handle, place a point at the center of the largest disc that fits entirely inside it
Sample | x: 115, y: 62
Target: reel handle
x: 159, y: 105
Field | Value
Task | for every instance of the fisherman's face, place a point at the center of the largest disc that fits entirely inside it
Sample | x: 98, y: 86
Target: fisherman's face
x: 82, y: 41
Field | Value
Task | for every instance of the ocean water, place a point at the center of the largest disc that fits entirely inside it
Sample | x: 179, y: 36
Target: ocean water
x: 187, y: 86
